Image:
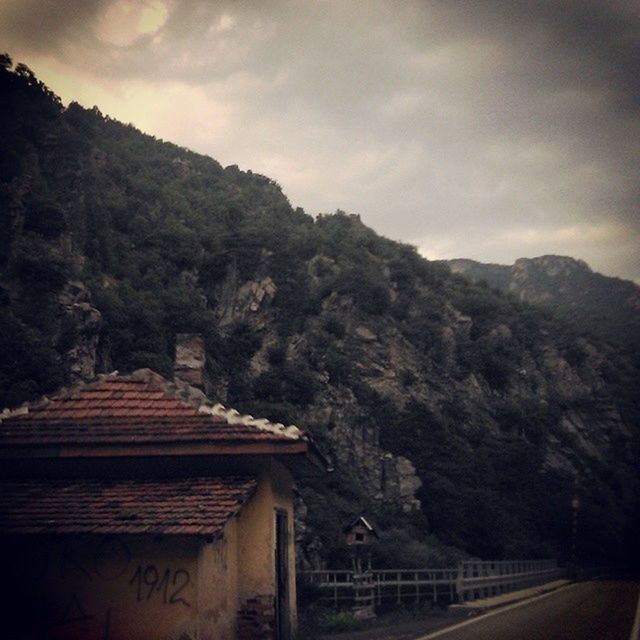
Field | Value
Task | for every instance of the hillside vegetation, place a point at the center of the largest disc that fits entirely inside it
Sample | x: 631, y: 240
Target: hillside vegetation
x: 604, y: 306
x: 459, y: 419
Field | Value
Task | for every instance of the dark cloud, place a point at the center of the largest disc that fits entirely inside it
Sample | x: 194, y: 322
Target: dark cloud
x: 489, y: 129
x: 600, y: 36
x: 47, y: 26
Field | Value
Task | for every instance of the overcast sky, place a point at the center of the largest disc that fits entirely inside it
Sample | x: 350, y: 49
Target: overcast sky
x: 487, y: 129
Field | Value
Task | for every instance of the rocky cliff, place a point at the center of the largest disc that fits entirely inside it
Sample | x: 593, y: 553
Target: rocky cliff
x: 471, y: 417
x: 459, y: 419
x: 608, y: 307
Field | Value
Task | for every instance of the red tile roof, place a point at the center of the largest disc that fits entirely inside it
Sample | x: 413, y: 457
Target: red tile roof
x: 194, y: 506
x: 140, y: 408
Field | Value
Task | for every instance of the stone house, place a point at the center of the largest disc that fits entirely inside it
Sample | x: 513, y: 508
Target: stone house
x: 133, y: 508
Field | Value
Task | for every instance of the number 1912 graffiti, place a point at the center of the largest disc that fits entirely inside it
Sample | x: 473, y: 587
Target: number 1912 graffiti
x: 170, y: 584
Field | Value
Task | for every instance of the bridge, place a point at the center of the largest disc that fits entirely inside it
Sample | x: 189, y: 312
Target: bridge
x: 470, y: 580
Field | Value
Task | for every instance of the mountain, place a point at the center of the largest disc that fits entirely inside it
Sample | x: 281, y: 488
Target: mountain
x: 459, y: 419
x: 607, y: 307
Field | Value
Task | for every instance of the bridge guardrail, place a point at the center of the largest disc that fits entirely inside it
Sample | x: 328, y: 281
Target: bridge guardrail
x: 468, y: 581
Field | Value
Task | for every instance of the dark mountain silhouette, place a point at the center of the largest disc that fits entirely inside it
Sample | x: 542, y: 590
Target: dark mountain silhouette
x: 607, y: 307
x: 460, y: 419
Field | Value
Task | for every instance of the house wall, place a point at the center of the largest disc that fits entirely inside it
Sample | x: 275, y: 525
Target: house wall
x: 146, y: 588
x: 256, y: 539
x: 102, y: 587
x: 125, y: 588
x: 218, y: 599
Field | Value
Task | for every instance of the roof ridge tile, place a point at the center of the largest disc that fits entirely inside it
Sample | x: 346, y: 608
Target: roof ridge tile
x: 103, y: 410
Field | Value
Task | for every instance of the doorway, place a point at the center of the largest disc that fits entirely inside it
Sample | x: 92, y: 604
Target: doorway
x: 282, y: 575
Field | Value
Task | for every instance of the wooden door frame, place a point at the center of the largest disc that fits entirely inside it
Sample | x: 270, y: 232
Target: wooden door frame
x: 281, y: 561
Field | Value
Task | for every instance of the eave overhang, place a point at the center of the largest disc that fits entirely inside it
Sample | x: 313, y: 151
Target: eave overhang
x: 164, y: 449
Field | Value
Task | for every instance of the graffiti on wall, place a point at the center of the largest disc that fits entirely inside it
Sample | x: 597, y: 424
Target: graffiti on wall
x: 149, y: 581
x: 87, y: 589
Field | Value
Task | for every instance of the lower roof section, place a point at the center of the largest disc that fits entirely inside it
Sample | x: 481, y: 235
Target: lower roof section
x: 192, y: 506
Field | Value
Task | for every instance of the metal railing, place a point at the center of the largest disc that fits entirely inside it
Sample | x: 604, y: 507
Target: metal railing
x: 470, y: 580
x: 483, y: 579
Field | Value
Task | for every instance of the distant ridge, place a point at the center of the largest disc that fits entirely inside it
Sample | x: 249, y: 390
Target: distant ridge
x: 607, y: 307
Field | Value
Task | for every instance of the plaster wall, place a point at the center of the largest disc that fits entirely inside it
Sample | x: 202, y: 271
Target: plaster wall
x: 256, y: 537
x: 102, y: 587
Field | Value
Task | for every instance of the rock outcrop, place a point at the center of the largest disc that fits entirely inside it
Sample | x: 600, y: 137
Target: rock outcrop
x: 83, y: 320
x: 608, y: 307
x: 243, y: 302
x: 549, y: 396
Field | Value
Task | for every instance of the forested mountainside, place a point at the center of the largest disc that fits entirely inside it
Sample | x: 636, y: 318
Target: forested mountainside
x: 607, y: 307
x: 459, y: 419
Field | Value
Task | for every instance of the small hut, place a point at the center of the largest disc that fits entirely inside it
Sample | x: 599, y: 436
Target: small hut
x: 359, y: 536
x: 360, y: 532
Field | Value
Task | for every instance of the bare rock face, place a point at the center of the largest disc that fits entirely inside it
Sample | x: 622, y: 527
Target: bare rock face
x: 85, y: 321
x: 531, y: 277
x: 400, y: 483
x: 365, y: 334
x: 607, y: 307
x: 244, y: 302
x: 562, y: 376
x: 252, y: 295
x: 390, y: 480
x: 579, y: 428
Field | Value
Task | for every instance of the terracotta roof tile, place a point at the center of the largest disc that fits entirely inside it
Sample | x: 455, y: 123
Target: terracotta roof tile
x: 132, y: 409
x: 177, y: 506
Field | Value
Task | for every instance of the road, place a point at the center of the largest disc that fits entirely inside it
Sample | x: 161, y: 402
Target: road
x: 597, y: 610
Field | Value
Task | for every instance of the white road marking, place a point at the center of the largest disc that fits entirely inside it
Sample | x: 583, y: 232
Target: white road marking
x: 490, y: 614
x: 635, y: 630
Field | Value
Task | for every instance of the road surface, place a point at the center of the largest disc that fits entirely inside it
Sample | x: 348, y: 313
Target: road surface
x: 598, y: 610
